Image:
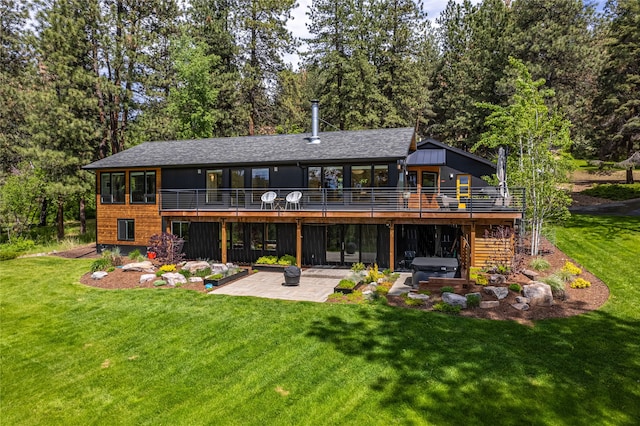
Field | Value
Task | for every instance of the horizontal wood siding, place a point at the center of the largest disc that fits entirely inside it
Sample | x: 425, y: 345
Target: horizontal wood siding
x: 148, y: 220
x: 489, y: 251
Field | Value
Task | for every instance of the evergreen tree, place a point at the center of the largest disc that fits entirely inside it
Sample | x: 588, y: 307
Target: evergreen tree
x: 619, y: 84
x: 557, y: 42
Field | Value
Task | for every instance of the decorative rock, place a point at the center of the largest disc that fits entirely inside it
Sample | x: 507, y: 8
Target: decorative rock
x: 195, y: 266
x: 454, y: 299
x: 477, y: 293
x: 520, y: 299
x: 532, y: 275
x: 489, y: 304
x: 371, y: 287
x: 147, y: 277
x: 521, y: 306
x: 497, y: 279
x: 539, y: 294
x: 98, y: 275
x: 499, y: 292
x: 368, y: 294
x: 145, y: 266
x: 418, y: 296
x: 195, y: 279
x: 219, y: 267
x: 174, y: 278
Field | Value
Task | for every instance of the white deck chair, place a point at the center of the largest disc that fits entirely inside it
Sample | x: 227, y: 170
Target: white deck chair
x: 268, y: 199
x: 293, y: 200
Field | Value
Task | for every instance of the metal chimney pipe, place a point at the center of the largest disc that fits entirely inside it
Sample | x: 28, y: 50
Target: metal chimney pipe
x: 315, y: 120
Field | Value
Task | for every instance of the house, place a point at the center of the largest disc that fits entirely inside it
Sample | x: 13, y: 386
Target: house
x: 330, y: 198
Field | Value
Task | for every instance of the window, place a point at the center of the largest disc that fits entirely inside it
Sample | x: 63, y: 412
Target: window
x: 180, y: 229
x: 257, y: 230
x: 429, y: 182
x: 360, y: 176
x: 112, y: 187
x: 236, y: 235
x: 270, y: 237
x: 380, y: 176
x: 126, y: 229
x: 237, y: 184
x: 260, y: 178
x: 142, y: 187
x: 214, y: 184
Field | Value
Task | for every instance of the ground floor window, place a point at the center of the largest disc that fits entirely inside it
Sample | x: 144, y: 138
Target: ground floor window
x: 126, y: 229
x: 180, y: 229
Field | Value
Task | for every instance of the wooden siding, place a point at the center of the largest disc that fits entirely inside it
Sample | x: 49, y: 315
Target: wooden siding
x: 488, y: 250
x: 146, y: 216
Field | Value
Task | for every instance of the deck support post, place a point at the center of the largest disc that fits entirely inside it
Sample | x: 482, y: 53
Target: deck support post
x: 223, y: 243
x: 392, y: 246
x: 299, y: 243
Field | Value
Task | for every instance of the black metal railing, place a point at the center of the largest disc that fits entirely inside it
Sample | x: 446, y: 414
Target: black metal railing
x: 478, y: 200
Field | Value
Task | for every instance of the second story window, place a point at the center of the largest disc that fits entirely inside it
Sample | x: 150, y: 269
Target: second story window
x: 112, y: 188
x: 142, y: 187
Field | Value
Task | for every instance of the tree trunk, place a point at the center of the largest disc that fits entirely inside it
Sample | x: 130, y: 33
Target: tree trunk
x: 60, y: 219
x: 630, y: 175
x: 43, y: 212
x: 83, y: 217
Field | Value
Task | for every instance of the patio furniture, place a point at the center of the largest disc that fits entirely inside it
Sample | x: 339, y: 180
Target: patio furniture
x: 425, y: 267
x: 446, y: 202
x: 292, y: 275
x: 293, y: 200
x: 268, y: 199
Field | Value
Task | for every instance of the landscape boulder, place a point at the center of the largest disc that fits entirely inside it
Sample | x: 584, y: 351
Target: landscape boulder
x: 498, y: 292
x: 217, y: 268
x: 538, y: 293
x: 418, y: 296
x: 195, y: 266
x: 532, y: 275
x: 147, y: 277
x: 489, y: 304
x: 98, y: 275
x: 173, y: 278
x: 521, y: 306
x: 454, y: 299
x: 145, y: 266
x: 497, y: 279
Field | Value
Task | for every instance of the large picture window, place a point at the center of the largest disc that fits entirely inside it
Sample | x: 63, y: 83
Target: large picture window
x: 142, y: 187
x: 126, y: 229
x: 112, y: 187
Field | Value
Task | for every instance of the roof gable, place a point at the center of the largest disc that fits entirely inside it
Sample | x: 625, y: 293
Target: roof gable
x: 432, y: 144
x: 364, y: 145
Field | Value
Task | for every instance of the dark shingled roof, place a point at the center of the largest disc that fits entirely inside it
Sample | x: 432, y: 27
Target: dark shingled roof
x: 381, y: 144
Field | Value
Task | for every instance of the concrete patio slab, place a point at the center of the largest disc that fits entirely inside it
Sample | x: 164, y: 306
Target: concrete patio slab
x: 316, y: 284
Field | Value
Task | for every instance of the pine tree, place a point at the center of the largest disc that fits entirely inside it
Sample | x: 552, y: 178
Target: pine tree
x: 619, y: 85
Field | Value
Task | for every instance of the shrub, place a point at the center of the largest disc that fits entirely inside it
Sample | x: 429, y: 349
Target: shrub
x: 571, y: 268
x: 373, y: 274
x: 411, y: 302
x: 564, y: 275
x: 267, y: 260
x: 539, y: 264
x: 167, y: 268
x: 515, y: 287
x: 555, y: 282
x: 167, y: 247
x: 473, y: 300
x: 482, y: 279
x: 101, y: 264
x: 447, y: 308
x: 446, y: 289
x: 382, y: 290
x: 580, y: 283
x: 614, y: 191
x: 202, y: 272
x: 6, y: 254
x: 473, y: 273
x: 185, y: 273
x: 357, y: 267
x: 136, y: 256
x: 345, y: 283
x: 287, y: 260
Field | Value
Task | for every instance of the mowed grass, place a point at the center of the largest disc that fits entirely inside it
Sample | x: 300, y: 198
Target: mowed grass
x: 77, y: 355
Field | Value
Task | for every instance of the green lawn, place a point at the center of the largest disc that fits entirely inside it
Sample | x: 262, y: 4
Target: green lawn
x: 77, y: 355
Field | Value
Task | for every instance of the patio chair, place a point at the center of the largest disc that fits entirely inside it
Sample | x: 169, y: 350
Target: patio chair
x: 268, y: 199
x: 293, y: 200
x: 446, y: 202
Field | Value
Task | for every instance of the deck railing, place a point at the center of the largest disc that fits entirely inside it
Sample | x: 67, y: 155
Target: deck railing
x: 481, y: 200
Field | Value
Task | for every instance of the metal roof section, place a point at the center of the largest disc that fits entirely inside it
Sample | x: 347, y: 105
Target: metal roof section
x: 427, y: 157
x: 441, y: 145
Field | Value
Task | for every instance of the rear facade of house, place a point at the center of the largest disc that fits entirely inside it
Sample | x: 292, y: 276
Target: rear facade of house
x: 370, y: 196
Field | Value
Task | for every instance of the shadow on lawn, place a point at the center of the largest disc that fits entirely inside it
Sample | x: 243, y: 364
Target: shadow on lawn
x: 448, y: 370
